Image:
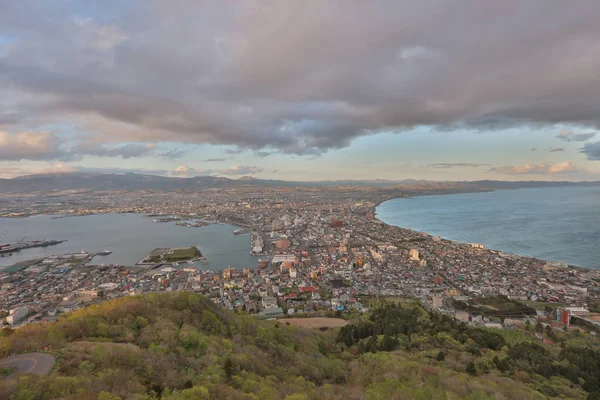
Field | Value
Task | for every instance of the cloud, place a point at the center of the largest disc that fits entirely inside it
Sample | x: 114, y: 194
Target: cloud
x: 540, y: 169
x: 233, y: 151
x: 184, y: 170
x: 570, y: 136
x: 215, y: 159
x: 41, y: 145
x: 253, y: 80
x: 241, y: 170
x: 592, y: 151
x: 120, y: 171
x: 171, y: 154
x: 13, y: 171
x: 453, y: 165
x: 30, y: 146
x: 556, y: 149
x: 126, y: 151
x: 264, y: 154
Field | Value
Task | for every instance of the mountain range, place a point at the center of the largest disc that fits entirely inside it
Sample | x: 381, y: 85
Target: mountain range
x: 57, y: 182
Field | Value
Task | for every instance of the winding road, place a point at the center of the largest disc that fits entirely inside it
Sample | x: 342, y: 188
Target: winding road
x: 29, y: 363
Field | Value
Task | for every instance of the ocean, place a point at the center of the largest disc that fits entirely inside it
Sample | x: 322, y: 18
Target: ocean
x: 555, y: 224
x: 129, y: 236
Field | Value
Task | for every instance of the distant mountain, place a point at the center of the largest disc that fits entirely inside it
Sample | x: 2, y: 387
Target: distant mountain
x: 58, y: 182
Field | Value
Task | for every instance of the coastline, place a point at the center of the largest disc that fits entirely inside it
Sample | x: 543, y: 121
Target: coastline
x: 373, y: 215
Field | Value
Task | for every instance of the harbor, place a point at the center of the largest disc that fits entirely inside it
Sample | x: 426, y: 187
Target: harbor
x: 7, y: 250
x: 102, y: 235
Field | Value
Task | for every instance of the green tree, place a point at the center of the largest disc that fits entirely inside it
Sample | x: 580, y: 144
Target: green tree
x: 471, y: 370
x: 441, y: 356
x: 229, y: 368
x: 107, y: 396
x: 195, y: 393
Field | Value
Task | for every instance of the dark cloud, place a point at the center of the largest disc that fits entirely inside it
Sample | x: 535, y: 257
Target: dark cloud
x: 556, y: 149
x: 454, y: 165
x: 570, y: 136
x: 130, y: 150
x: 592, y: 151
x: 171, y: 154
x: 233, y: 151
x: 215, y: 159
x: 264, y: 154
x: 243, y: 75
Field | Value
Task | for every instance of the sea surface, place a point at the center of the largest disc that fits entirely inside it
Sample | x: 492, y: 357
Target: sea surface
x: 129, y: 236
x: 555, y: 224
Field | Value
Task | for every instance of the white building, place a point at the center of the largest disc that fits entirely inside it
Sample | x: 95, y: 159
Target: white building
x: 16, y: 315
x: 269, y: 302
x: 577, y: 311
x: 414, y: 254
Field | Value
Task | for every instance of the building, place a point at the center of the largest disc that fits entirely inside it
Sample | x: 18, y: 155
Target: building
x: 282, y: 244
x: 578, y: 311
x: 414, y: 254
x: 436, y: 300
x: 273, y: 312
x: 269, y: 302
x: 337, y: 223
x: 462, y: 316
x: 16, y: 315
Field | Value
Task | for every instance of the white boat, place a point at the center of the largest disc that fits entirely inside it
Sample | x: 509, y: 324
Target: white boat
x: 104, y: 252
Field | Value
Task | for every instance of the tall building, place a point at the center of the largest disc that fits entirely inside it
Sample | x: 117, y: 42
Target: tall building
x: 414, y: 254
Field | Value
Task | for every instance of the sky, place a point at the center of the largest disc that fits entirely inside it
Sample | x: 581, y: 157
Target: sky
x: 302, y: 90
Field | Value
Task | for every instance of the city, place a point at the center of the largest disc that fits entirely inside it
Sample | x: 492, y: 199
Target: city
x: 322, y: 252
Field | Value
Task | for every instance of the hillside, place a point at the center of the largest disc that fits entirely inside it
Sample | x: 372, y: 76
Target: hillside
x: 47, y: 183
x: 182, y: 346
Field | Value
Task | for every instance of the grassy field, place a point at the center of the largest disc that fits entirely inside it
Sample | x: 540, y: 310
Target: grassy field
x: 181, y: 254
x: 315, y: 323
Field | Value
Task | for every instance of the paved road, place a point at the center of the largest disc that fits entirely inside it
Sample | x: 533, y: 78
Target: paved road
x: 30, y: 363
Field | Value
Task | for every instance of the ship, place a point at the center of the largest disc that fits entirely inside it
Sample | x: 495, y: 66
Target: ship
x: 8, y: 248
x: 104, y: 252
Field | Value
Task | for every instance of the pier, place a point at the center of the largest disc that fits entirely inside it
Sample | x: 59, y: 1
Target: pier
x: 8, y: 249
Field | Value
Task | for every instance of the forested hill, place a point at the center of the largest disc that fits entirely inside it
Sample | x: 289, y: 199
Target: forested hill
x: 182, y: 346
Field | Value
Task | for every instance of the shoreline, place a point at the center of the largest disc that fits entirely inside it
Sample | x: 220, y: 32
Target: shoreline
x: 370, y: 214
x: 373, y: 215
